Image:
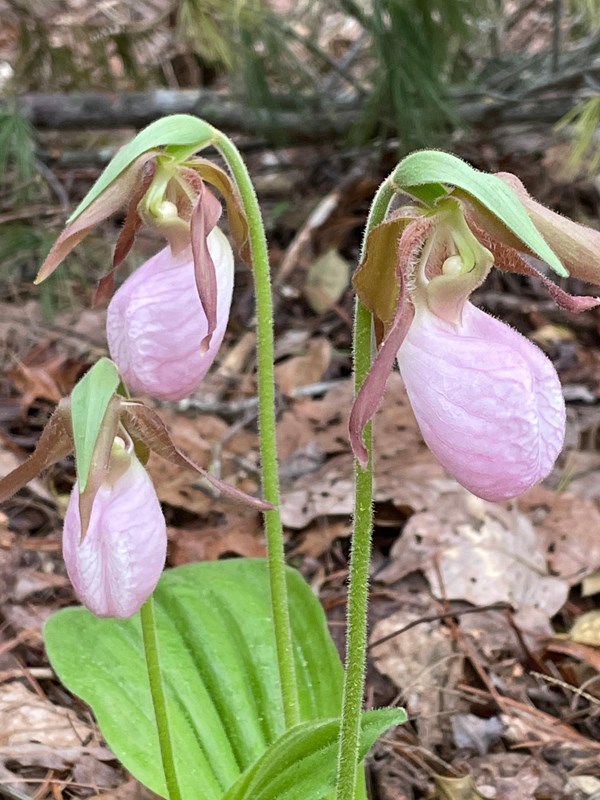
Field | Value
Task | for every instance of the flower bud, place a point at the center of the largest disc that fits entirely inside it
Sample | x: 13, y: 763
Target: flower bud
x: 488, y: 402
x: 117, y: 565
x: 156, y: 323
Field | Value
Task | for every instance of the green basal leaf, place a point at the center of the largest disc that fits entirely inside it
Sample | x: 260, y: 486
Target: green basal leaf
x: 435, y: 167
x: 89, y: 401
x: 219, y: 667
x: 303, y: 762
x: 180, y: 132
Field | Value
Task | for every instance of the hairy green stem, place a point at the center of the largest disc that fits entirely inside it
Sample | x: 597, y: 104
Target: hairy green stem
x: 266, y: 419
x: 158, y: 698
x: 360, y: 555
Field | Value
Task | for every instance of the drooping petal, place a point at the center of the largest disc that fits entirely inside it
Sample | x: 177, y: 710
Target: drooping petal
x: 488, y: 401
x: 118, y: 564
x: 510, y: 260
x: 113, y: 198
x: 370, y: 394
x: 205, y: 215
x: 127, y: 235
x: 156, y: 323
x: 577, y: 246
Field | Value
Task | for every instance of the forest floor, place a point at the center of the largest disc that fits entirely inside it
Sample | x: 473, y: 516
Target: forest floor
x: 484, y: 618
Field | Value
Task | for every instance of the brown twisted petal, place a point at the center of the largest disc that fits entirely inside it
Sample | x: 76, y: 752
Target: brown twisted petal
x: 369, y: 397
x: 509, y: 260
x: 577, y: 246
x: 111, y: 199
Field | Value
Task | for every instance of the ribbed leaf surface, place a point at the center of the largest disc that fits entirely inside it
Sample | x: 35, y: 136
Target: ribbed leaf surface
x: 220, y: 671
x: 302, y: 764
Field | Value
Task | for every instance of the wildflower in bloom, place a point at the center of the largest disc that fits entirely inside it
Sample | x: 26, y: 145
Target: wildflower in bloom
x: 156, y: 324
x: 488, y: 401
x: 116, y: 565
x: 114, y: 538
x: 166, y: 322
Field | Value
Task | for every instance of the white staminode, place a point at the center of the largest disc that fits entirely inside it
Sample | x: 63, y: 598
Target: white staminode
x: 453, y: 265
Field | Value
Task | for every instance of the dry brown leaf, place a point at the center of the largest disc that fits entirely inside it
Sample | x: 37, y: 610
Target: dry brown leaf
x: 9, y: 462
x: 239, y: 535
x: 45, y: 375
x: 569, y: 526
x: 89, y: 771
x: 50, y: 757
x: 462, y: 788
x: 424, y: 664
x: 305, y: 369
x: 131, y: 790
x: 581, y: 652
x: 318, y: 537
x: 591, y: 584
x: 31, y: 581
x: 516, y: 776
x: 326, y: 281
x: 26, y: 718
x: 586, y: 629
x: 481, y: 553
x: 326, y: 492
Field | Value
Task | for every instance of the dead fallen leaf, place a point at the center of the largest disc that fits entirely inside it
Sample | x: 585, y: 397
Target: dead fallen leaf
x: 591, y: 584
x: 481, y: 552
x: 30, y: 581
x: 89, y: 771
x: 9, y: 462
x: 326, y: 281
x: 583, y: 652
x: 586, y: 629
x: 326, y: 492
x: 27, y: 718
x: 516, y: 776
x: 131, y: 790
x: 424, y: 664
x: 463, y: 788
x: 319, y: 536
x: 475, y: 733
x: 45, y: 374
x: 569, y: 526
x: 239, y: 535
x: 305, y: 369
x: 34, y: 754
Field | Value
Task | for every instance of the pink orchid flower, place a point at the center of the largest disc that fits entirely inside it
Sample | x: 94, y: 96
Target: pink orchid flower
x: 166, y: 322
x: 156, y: 324
x: 488, y: 402
x: 116, y: 566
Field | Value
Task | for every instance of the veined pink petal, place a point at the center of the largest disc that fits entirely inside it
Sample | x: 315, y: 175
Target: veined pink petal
x: 156, y: 323
x: 118, y: 564
x: 487, y: 400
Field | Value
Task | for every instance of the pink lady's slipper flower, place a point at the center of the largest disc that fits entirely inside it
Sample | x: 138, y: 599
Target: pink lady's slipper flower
x: 156, y: 323
x: 114, y: 536
x: 166, y: 322
x: 488, y: 402
x: 116, y: 565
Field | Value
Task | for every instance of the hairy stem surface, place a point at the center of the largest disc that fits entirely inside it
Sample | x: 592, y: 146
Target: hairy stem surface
x: 158, y: 698
x: 360, y: 555
x: 266, y: 418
